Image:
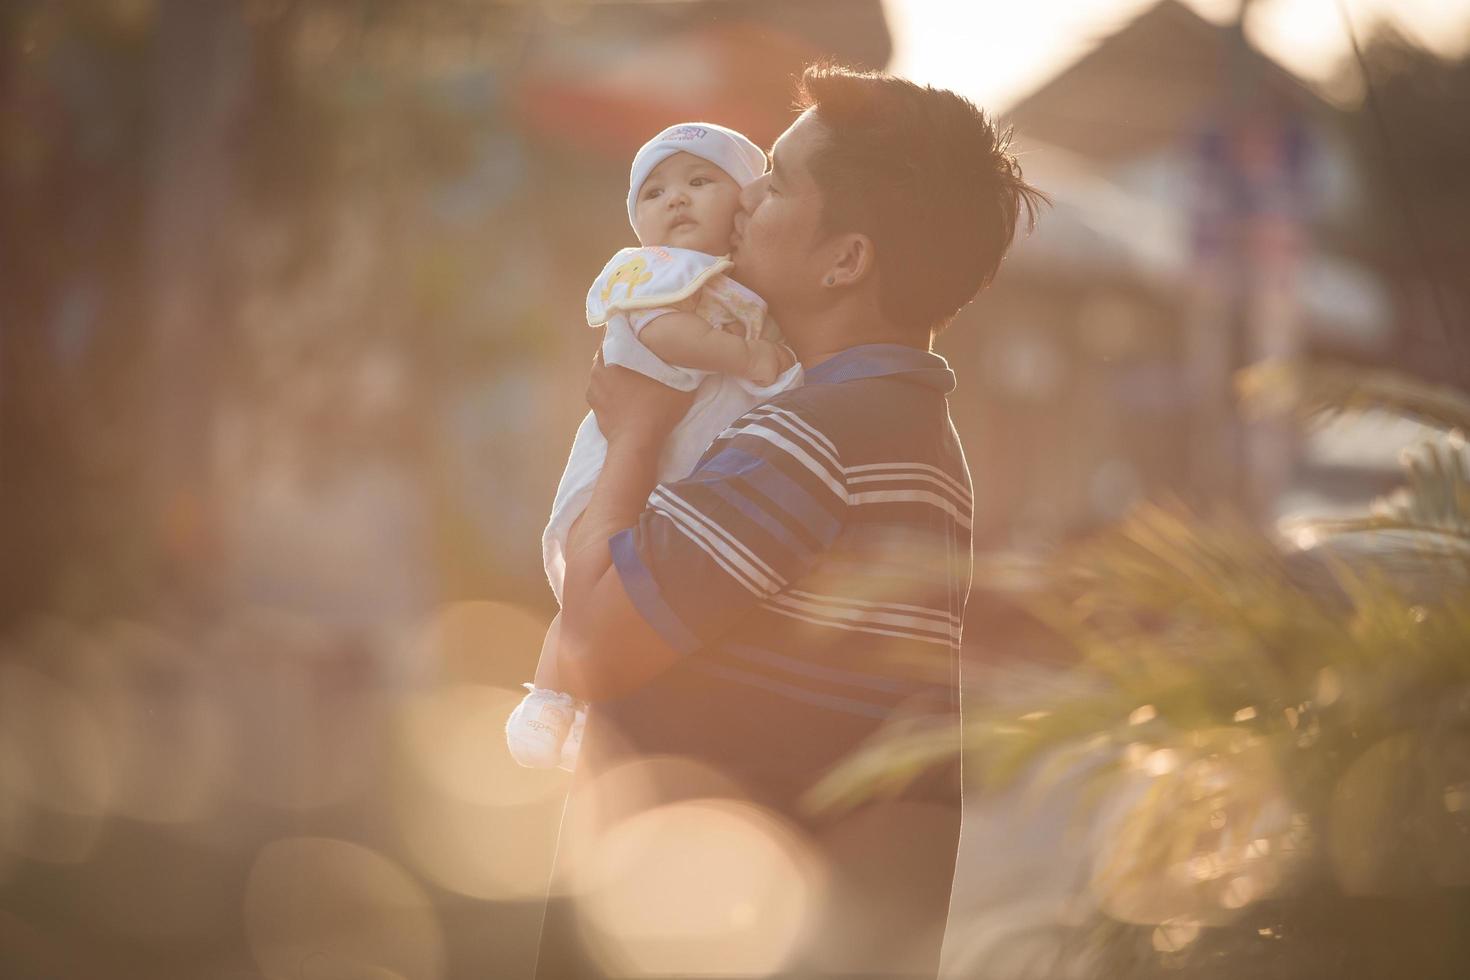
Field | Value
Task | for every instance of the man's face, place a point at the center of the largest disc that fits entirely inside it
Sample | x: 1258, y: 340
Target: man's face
x: 687, y: 202
x: 776, y: 234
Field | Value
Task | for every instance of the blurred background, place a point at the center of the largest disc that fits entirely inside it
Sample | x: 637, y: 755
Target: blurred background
x: 292, y: 352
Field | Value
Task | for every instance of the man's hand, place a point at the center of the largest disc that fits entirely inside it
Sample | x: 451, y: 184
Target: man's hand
x: 633, y: 408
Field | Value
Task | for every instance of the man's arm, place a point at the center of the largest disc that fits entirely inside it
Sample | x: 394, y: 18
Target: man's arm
x: 651, y: 581
x: 607, y: 648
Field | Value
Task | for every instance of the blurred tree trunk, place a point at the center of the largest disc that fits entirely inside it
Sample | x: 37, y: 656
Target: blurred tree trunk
x: 199, y: 91
x: 116, y: 170
x: 19, y: 316
x: 56, y: 206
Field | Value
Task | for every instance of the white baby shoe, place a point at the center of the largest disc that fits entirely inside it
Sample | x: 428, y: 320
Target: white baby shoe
x: 537, y: 729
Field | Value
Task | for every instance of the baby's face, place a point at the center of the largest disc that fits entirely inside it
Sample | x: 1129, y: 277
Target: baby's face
x: 687, y: 202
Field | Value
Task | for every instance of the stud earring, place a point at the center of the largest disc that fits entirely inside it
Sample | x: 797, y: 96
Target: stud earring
x: 831, y: 281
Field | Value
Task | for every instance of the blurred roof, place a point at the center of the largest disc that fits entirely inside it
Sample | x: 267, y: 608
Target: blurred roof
x: 1154, y: 79
x: 1097, y: 227
x: 606, y: 81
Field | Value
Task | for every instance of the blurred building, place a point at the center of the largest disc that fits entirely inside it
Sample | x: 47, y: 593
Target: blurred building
x: 1208, y: 213
x: 604, y: 80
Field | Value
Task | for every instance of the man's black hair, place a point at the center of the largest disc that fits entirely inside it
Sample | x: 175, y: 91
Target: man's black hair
x: 927, y: 176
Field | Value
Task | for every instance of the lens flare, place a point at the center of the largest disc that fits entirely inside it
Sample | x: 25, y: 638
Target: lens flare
x: 598, y: 805
x: 482, y: 642
x: 697, y: 888
x: 453, y: 737
x: 473, y: 820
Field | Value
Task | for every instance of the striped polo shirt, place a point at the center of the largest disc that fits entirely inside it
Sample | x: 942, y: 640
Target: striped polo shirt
x: 812, y: 570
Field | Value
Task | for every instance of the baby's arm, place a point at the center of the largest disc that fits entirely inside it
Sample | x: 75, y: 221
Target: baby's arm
x: 686, y: 340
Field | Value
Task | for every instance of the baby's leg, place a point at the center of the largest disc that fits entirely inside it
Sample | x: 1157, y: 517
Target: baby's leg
x: 536, y: 732
x: 546, y: 672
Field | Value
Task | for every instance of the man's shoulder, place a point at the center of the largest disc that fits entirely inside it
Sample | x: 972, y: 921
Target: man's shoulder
x: 867, y: 415
x: 833, y: 404
x: 821, y: 410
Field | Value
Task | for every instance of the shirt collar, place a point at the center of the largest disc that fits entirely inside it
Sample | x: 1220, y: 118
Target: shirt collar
x: 883, y: 360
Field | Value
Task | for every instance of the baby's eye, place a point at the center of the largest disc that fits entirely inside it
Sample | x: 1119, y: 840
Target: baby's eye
x: 651, y: 192
x: 699, y: 181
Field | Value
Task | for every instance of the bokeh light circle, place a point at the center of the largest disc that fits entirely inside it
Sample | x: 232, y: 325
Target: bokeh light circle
x: 480, y: 641
x: 697, y: 888
x: 472, y: 819
x: 599, y: 804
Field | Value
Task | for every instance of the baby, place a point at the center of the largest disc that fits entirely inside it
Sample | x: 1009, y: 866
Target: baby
x: 671, y: 314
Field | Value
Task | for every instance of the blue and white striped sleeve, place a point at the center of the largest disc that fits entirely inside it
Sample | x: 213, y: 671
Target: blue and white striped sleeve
x: 760, y: 509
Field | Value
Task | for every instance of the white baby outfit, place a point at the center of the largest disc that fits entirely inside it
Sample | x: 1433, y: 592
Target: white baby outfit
x: 636, y: 286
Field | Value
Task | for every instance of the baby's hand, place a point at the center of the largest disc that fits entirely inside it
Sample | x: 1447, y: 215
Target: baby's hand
x: 767, y: 361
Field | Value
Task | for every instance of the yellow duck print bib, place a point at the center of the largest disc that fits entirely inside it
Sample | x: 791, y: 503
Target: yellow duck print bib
x: 644, y: 278
x: 634, y: 273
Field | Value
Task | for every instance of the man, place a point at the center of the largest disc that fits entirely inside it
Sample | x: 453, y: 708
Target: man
x: 801, y: 593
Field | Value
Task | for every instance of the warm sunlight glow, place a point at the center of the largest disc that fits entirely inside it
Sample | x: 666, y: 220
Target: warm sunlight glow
x: 600, y: 804
x: 997, y: 53
x: 481, y: 641
x: 473, y: 821
x: 701, y: 888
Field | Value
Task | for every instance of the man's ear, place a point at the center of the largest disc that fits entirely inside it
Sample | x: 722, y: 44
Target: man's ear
x: 854, y: 260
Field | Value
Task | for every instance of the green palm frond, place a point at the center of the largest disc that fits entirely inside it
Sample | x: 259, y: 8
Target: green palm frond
x: 1419, y: 535
x: 1312, y: 390
x: 1187, y: 627
x: 1247, y: 721
x: 1427, y: 519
